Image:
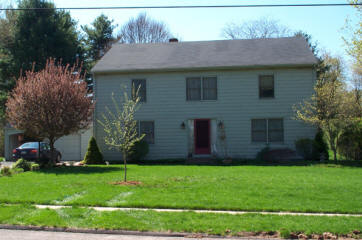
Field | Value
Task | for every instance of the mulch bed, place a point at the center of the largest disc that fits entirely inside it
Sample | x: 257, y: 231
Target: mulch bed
x: 128, y: 183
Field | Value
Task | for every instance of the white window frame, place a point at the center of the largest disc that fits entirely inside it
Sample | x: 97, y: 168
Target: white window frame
x: 267, y: 130
x: 132, y: 85
x: 259, y: 86
x: 139, y: 129
x: 202, y: 88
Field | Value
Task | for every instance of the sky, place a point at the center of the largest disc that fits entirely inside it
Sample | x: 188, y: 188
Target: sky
x: 324, y: 24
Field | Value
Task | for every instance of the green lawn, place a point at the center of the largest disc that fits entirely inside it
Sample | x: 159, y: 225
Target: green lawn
x: 220, y: 224
x: 272, y: 188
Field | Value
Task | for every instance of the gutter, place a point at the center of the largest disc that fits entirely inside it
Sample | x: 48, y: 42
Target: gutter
x: 157, y: 70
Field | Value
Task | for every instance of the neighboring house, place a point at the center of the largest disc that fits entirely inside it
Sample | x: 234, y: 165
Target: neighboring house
x: 210, y: 98
x: 72, y: 147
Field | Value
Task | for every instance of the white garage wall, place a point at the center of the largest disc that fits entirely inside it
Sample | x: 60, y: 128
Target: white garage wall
x: 69, y: 146
x: 73, y: 147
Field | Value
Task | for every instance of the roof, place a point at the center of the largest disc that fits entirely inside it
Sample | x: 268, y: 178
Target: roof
x: 288, y: 51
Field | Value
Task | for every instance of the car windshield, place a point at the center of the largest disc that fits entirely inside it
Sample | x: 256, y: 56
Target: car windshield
x: 29, y: 145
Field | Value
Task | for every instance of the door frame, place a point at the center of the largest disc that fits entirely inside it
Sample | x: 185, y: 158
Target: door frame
x: 207, y: 150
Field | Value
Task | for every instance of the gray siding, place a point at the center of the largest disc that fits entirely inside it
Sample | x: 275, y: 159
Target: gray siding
x: 238, y: 102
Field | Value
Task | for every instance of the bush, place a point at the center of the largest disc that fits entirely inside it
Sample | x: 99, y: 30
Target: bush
x: 260, y: 156
x: 350, y: 143
x: 34, y: 167
x: 307, y: 149
x: 321, y: 147
x: 5, y: 171
x: 17, y: 170
x: 22, y: 163
x: 2, y: 159
x: 138, y: 151
x: 93, y: 155
x: 276, y: 155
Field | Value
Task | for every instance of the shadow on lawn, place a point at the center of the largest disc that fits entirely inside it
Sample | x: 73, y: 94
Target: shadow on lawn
x: 81, y: 169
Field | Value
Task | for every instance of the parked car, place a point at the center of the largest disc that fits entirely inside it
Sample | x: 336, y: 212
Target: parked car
x: 30, y: 151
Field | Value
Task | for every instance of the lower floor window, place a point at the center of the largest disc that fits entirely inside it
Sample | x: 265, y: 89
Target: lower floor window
x: 147, y: 128
x: 267, y: 130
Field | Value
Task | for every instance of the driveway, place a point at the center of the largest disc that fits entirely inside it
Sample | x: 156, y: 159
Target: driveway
x: 45, y: 235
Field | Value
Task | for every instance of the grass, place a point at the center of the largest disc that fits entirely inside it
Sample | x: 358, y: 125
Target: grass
x: 219, y: 224
x: 321, y: 188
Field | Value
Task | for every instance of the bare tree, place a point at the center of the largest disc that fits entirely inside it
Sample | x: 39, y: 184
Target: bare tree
x: 143, y: 29
x: 260, y: 28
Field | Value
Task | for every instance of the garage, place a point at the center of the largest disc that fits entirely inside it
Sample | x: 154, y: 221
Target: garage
x: 72, y: 147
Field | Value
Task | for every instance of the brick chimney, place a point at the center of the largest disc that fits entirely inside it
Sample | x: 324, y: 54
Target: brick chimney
x: 172, y: 40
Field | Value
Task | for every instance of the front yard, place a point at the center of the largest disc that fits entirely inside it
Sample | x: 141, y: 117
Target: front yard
x: 189, y: 222
x: 319, y: 188
x: 273, y: 188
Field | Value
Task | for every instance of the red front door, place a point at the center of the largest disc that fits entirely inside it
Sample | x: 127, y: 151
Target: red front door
x: 202, y: 136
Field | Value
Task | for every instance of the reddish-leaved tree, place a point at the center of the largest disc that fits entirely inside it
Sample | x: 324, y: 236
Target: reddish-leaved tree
x: 50, y: 103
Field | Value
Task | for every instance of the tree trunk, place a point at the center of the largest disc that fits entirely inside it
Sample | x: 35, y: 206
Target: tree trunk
x: 334, y: 149
x: 335, y: 154
x: 125, y: 166
x: 52, y: 157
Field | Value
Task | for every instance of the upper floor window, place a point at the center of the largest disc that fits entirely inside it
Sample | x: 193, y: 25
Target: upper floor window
x: 193, y: 88
x: 209, y: 88
x: 140, y: 85
x: 147, y: 128
x: 266, y: 86
x: 198, y: 88
x: 267, y: 130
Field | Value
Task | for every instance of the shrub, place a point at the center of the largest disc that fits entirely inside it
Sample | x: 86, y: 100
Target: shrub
x: 2, y: 159
x: 22, y: 163
x: 350, y: 143
x: 34, y: 167
x: 138, y: 151
x: 321, y: 147
x: 17, y: 170
x: 307, y: 149
x: 260, y: 156
x: 279, y: 155
x: 5, y: 171
x: 93, y: 155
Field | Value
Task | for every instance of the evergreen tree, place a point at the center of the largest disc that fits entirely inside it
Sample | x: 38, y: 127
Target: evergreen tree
x: 93, y: 155
x: 99, y: 37
x: 43, y: 34
x: 97, y: 41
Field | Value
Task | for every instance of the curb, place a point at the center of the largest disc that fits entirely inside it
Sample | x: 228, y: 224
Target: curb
x: 120, y: 232
x: 93, y: 231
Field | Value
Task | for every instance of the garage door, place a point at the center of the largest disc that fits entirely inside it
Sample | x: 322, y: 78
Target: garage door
x: 70, y: 147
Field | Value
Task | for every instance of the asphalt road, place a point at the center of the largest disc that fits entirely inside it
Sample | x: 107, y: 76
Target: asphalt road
x: 46, y: 235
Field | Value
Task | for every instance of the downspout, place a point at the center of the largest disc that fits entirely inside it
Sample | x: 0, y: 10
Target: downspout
x: 95, y: 107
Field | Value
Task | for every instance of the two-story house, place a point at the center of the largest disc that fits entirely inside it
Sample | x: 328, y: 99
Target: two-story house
x: 210, y: 98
